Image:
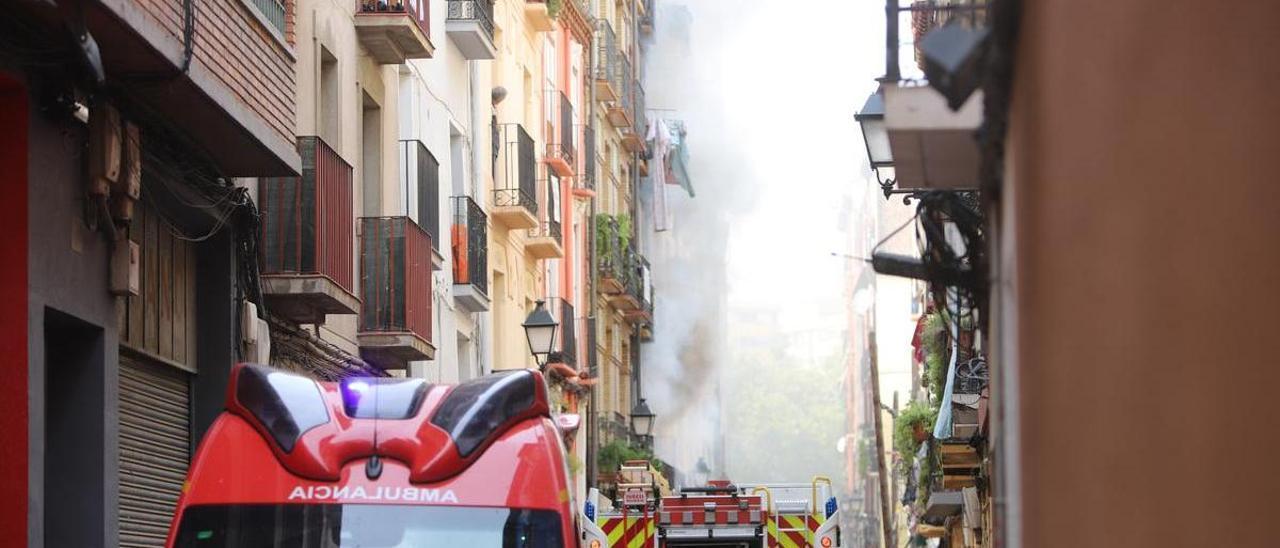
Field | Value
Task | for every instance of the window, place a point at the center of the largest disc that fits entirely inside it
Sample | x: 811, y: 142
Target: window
x: 272, y: 11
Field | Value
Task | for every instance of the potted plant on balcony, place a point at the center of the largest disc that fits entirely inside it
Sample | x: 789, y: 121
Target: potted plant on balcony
x: 911, y: 428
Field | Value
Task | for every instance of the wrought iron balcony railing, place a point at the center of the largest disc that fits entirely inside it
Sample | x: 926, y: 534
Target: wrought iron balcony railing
x: 607, y: 62
x: 516, y: 181
x: 395, y: 276
x: 586, y: 174
x: 568, y: 352
x: 420, y: 175
x: 641, y: 123
x: 307, y: 221
x: 561, y: 152
x: 593, y: 352
x: 479, y: 11
x: 470, y: 244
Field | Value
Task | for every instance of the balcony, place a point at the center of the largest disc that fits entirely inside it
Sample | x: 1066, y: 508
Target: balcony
x: 546, y: 241
x: 515, y: 198
x: 307, y: 237
x: 640, y: 290
x: 420, y: 179
x: 633, y: 137
x: 568, y: 339
x: 624, y: 273
x: 470, y: 239
x: 395, y: 287
x: 539, y: 15
x: 470, y: 25
x: 607, y: 63
x: 584, y: 183
x: 561, y: 152
x: 394, y: 30
x: 621, y: 111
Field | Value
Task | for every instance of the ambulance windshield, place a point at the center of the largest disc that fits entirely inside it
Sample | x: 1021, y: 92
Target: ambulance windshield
x: 366, y: 526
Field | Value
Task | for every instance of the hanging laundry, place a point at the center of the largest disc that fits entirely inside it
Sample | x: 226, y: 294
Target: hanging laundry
x: 659, y: 139
x: 677, y: 161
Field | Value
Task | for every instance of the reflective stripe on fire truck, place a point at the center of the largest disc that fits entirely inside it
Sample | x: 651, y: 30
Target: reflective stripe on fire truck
x: 790, y: 531
x: 637, y: 532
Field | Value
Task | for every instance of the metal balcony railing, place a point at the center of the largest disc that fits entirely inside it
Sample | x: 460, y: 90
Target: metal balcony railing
x: 470, y: 244
x: 593, y: 352
x: 549, y: 228
x: 480, y: 11
x: 420, y: 169
x: 560, y: 134
x: 273, y: 11
x: 586, y: 173
x: 417, y: 10
x: 628, y: 89
x: 610, y: 249
x: 640, y: 121
x: 516, y: 182
x: 395, y: 276
x: 307, y: 221
x: 568, y: 353
x: 608, y: 58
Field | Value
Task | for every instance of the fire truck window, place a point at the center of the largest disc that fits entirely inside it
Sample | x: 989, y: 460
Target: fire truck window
x: 366, y: 526
x: 287, y: 405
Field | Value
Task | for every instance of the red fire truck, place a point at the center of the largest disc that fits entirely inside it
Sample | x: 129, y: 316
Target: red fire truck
x: 378, y: 463
x: 719, y: 515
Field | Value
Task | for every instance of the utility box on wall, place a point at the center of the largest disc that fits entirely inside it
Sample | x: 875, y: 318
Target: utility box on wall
x: 125, y: 277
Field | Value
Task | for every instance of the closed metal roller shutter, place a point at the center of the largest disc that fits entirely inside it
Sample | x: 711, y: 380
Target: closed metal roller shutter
x: 155, y: 441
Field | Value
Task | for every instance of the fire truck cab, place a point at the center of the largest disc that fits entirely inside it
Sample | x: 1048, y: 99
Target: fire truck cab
x: 378, y: 462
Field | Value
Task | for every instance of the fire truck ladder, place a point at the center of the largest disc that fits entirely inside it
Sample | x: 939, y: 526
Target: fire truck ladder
x: 814, y: 510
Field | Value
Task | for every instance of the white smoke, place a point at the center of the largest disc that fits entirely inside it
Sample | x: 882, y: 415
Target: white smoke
x: 767, y: 90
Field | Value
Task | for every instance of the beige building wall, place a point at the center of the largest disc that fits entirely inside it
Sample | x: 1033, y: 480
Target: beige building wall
x: 518, y: 279
x: 337, y: 82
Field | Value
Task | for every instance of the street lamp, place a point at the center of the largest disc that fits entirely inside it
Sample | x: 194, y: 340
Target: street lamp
x: 876, y: 137
x: 540, y: 329
x: 642, y: 419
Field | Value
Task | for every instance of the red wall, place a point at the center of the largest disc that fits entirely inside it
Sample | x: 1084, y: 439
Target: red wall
x: 13, y: 312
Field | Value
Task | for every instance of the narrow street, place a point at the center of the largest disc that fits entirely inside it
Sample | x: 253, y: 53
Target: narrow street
x: 638, y: 273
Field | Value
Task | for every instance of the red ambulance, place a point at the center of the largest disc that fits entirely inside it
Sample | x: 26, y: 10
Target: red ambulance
x: 378, y: 462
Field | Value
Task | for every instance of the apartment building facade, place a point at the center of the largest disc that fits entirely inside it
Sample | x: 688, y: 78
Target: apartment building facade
x: 130, y: 248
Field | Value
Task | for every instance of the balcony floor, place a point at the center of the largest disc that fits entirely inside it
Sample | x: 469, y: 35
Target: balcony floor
x: 394, y: 349
x: 544, y: 247
x: 470, y: 298
x: 514, y: 217
x: 391, y: 38
x: 306, y: 298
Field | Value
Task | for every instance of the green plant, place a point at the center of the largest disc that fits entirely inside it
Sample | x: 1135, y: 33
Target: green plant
x: 616, y: 452
x: 934, y: 339
x: 605, y: 237
x: 916, y: 414
x: 553, y: 7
